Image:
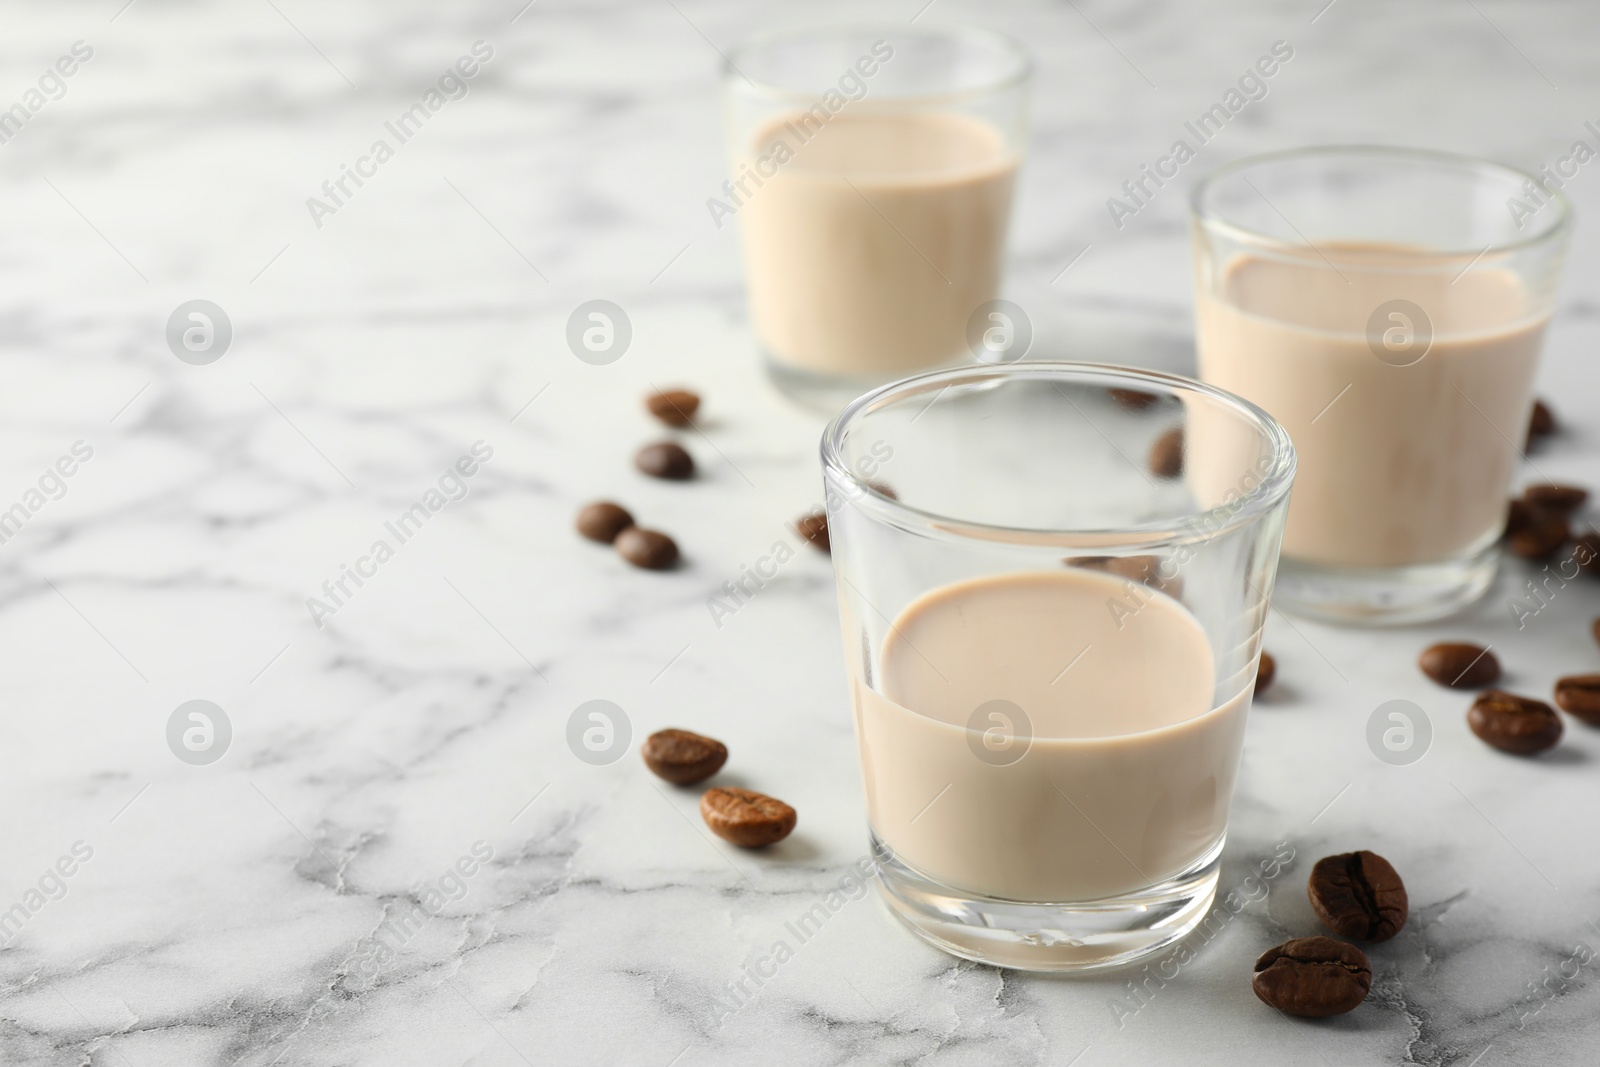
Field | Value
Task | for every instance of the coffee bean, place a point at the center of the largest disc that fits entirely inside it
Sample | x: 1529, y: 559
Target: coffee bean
x: 1542, y: 423
x: 1166, y: 455
x: 675, y: 407
x: 647, y: 548
x: 1459, y: 665
x: 1579, y: 695
x: 746, y: 818
x: 1519, y: 516
x: 1560, y: 499
x: 814, y: 528
x: 683, y: 758
x: 1586, y: 554
x: 1542, y: 537
x: 1358, y: 895
x: 1133, y: 399
x: 665, y: 459
x: 1266, y: 671
x: 883, y: 489
x: 602, y: 521
x: 1313, y: 977
x: 1514, y: 724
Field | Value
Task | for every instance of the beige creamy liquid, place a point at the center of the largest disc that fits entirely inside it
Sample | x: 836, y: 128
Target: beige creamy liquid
x: 869, y: 250
x: 1411, y: 464
x: 1131, y: 767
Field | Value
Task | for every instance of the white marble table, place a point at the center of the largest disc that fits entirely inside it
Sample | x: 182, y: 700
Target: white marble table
x: 291, y: 903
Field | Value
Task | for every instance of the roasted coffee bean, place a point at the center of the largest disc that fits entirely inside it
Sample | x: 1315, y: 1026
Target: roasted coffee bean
x: 814, y: 528
x: 1542, y: 537
x: 1586, y: 553
x: 1579, y: 695
x: 1542, y: 423
x: 1133, y: 399
x: 1266, y: 671
x: 647, y: 548
x: 746, y: 818
x: 1358, y: 895
x: 603, y: 520
x: 1560, y: 499
x: 1514, y: 724
x: 1460, y: 665
x: 683, y: 758
x: 1519, y: 516
x: 665, y: 459
x: 1166, y: 454
x: 1313, y: 977
x: 883, y: 489
x: 675, y: 407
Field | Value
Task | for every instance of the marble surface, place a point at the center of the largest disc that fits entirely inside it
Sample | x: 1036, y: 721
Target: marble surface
x: 300, y: 901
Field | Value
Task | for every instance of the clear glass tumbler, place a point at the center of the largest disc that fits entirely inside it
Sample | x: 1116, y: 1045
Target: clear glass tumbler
x: 1052, y: 581
x: 872, y: 174
x: 1388, y: 307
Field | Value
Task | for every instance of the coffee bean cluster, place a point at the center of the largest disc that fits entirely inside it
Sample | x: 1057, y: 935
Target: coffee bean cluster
x: 1511, y: 723
x: 740, y: 816
x: 1360, y: 897
x: 611, y: 524
x: 1541, y: 523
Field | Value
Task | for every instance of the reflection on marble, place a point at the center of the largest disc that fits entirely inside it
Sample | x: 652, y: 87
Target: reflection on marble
x: 233, y: 913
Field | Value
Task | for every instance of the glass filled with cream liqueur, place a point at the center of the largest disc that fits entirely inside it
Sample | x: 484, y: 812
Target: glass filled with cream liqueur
x: 1388, y: 307
x: 872, y: 175
x: 1051, y: 646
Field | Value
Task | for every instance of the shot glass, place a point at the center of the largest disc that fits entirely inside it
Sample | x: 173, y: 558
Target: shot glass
x: 1052, y: 581
x: 872, y: 174
x: 1388, y: 307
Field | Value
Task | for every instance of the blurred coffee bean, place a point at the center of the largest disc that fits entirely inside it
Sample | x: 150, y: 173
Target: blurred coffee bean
x: 675, y: 407
x: 1559, y: 499
x: 1514, y: 724
x: 1166, y: 454
x: 665, y: 459
x: 1460, y: 665
x: 1579, y: 695
x: 649, y: 549
x: 814, y: 528
x: 603, y: 520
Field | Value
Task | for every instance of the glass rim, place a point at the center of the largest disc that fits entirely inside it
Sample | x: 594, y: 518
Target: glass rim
x: 1019, y: 68
x: 1246, y: 235
x: 1269, y: 491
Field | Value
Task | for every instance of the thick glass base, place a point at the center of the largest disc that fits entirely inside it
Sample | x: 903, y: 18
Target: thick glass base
x: 1067, y: 937
x: 1385, y: 596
